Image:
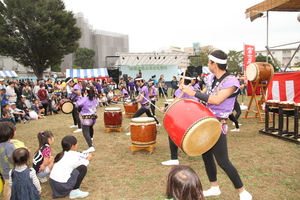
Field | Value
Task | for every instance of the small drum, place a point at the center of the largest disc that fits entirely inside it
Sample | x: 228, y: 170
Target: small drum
x: 259, y: 71
x: 143, y: 131
x: 192, y: 126
x: 66, y: 106
x: 287, y: 105
x: 273, y: 104
x: 130, y: 109
x: 113, y: 117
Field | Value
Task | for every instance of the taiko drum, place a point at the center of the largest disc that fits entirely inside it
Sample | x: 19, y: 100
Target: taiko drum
x: 66, y: 106
x: 130, y: 109
x: 113, y: 117
x: 143, y: 131
x: 192, y: 126
x: 259, y: 71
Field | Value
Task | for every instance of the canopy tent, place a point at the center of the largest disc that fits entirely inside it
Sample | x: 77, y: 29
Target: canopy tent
x: 272, y: 5
x: 8, y: 74
x: 87, y: 73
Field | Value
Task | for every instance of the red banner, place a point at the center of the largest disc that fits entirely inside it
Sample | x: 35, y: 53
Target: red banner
x: 249, y: 57
x: 284, y: 87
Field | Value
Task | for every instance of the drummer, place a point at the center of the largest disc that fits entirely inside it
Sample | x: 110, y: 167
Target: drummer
x: 220, y: 87
x: 152, y: 95
x: 143, y: 99
x: 178, y: 94
x: 75, y: 94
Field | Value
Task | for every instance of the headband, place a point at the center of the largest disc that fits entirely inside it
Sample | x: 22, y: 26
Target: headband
x: 87, y: 88
x: 186, y: 77
x: 138, y: 79
x: 217, y: 60
x: 68, y: 80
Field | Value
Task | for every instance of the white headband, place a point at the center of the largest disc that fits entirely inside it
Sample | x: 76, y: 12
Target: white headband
x: 68, y: 80
x: 87, y: 88
x: 138, y: 79
x: 186, y: 77
x: 217, y: 60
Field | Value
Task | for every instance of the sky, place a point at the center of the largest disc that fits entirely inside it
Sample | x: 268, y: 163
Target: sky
x: 156, y: 24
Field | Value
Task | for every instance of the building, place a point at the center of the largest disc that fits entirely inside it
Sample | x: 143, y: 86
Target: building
x: 283, y: 56
x: 104, y: 43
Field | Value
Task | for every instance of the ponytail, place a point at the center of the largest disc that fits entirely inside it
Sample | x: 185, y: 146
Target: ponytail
x: 66, y: 143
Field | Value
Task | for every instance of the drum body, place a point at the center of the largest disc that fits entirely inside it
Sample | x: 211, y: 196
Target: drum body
x: 259, y: 71
x: 143, y: 131
x: 273, y: 104
x: 113, y: 117
x: 192, y: 126
x: 130, y: 109
x: 287, y: 105
x: 66, y: 106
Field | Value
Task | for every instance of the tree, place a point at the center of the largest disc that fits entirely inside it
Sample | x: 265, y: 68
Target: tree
x: 84, y: 58
x: 37, y: 34
x: 262, y: 58
x: 201, y: 59
x: 234, y: 61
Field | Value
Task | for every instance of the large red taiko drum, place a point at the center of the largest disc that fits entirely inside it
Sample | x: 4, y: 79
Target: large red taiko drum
x: 192, y: 126
x: 130, y: 109
x: 113, y: 117
x: 143, y: 131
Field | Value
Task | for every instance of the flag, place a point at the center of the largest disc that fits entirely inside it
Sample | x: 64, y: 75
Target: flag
x: 284, y: 87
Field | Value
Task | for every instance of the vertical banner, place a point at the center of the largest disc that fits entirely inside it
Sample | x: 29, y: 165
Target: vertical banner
x: 249, y: 57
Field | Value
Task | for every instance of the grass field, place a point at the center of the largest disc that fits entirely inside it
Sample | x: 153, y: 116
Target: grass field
x: 269, y: 167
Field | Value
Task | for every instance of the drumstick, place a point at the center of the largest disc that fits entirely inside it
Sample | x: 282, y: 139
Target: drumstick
x: 162, y: 91
x: 184, y: 70
x: 150, y: 101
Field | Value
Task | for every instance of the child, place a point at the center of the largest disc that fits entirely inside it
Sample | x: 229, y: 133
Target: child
x: 124, y: 92
x: 37, y: 108
x: 110, y: 96
x: 42, y: 159
x: 19, y: 115
x: 70, y: 167
x: 104, y: 100
x: 183, y: 184
x: 7, y: 132
x: 23, y: 181
x: 5, y: 116
x: 7, y: 108
x: 165, y: 90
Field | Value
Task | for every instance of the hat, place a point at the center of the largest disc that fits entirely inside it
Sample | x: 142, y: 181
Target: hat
x: 23, y: 96
x: 12, y: 104
x: 1, y: 79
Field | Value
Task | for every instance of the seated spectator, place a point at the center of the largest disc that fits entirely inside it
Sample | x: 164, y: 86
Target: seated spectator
x: 55, y: 104
x: 110, y: 96
x: 5, y: 116
x: 20, y: 115
x: 7, y: 108
x: 22, y: 105
x: 38, y: 108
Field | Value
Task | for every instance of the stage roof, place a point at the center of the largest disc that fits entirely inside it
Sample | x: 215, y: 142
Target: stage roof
x: 272, y: 5
x: 137, y: 59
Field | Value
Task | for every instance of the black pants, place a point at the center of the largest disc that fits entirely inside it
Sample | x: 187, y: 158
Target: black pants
x: 76, y: 119
x: 143, y: 110
x: 82, y: 172
x: 88, y: 133
x: 220, y: 152
x: 173, y: 149
x: 153, y: 107
x: 235, y: 117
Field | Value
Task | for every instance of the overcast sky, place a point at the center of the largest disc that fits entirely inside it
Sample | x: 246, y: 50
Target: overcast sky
x: 164, y: 23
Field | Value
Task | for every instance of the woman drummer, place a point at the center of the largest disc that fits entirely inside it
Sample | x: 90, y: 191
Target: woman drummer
x: 178, y: 95
x: 152, y: 95
x: 88, y: 110
x: 143, y: 99
x: 218, y: 97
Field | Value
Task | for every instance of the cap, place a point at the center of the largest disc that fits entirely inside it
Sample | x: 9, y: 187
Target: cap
x: 1, y: 79
x: 23, y: 96
x: 12, y: 104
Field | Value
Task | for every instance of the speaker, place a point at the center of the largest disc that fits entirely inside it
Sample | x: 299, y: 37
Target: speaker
x: 120, y: 73
x: 199, y: 70
x: 125, y: 77
x: 191, y: 69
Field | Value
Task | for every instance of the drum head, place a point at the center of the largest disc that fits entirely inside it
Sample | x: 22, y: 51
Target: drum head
x: 142, y: 119
x: 67, y: 107
x: 252, y: 72
x: 112, y: 109
x: 201, y: 136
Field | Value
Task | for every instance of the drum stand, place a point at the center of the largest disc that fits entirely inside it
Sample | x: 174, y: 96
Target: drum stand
x: 126, y: 115
x: 113, y: 129
x: 149, y: 148
x: 259, y: 103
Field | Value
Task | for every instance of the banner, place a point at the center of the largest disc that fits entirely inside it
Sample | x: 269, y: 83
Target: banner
x: 284, y: 87
x: 249, y: 57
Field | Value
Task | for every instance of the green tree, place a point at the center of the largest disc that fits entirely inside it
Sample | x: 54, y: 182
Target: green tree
x: 55, y: 68
x: 234, y: 61
x: 84, y: 58
x: 201, y: 59
x: 262, y: 58
x: 37, y: 34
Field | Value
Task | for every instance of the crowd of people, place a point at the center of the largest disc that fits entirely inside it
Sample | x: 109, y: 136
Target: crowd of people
x: 68, y: 168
